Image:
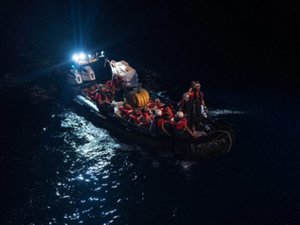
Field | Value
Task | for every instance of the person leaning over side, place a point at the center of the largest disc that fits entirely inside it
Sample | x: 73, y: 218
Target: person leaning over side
x: 181, y: 126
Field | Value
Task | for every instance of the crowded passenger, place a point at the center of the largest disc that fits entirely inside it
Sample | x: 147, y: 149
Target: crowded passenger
x: 168, y: 112
x: 181, y: 127
x: 155, y: 114
x: 126, y: 110
x: 158, y: 104
x: 157, y: 120
x: 136, y: 116
x: 147, y: 117
x: 106, y: 93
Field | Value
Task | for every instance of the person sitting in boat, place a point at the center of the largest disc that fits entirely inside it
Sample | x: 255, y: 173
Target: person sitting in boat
x: 158, y: 104
x: 167, y: 124
x: 156, y: 123
x: 147, y: 117
x: 150, y: 105
x: 161, y: 123
x: 126, y: 110
x: 105, y: 93
x: 118, y: 82
x: 181, y: 127
x: 168, y: 112
x: 91, y: 91
x: 136, y: 116
x: 95, y: 94
x: 111, y: 89
x: 99, y: 98
x: 110, y: 85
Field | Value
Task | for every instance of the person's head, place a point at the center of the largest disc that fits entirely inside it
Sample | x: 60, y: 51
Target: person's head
x: 166, y: 108
x: 110, y: 83
x: 127, y: 106
x: 157, y: 101
x: 158, y: 112
x: 186, y: 97
x: 179, y: 115
x: 196, y: 85
x: 103, y: 87
x: 99, y: 87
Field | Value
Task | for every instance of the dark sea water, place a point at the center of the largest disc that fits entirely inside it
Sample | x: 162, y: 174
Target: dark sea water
x: 57, y: 167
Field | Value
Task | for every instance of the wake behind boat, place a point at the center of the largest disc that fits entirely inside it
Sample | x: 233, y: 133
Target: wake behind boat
x: 124, y: 107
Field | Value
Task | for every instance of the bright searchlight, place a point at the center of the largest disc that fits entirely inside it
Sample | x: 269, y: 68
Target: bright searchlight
x: 75, y: 57
x: 82, y: 56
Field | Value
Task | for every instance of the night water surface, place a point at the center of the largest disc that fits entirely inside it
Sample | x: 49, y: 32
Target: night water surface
x: 59, y: 168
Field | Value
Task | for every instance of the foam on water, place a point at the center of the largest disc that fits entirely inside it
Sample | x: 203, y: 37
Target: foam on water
x: 218, y: 112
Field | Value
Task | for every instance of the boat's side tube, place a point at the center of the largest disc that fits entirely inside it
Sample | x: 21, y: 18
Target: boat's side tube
x: 84, y: 101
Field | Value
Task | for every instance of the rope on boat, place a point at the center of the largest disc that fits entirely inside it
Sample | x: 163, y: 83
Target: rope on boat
x: 229, y: 136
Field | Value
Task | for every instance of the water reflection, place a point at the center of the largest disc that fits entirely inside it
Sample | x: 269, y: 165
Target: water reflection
x: 222, y: 112
x: 88, y: 152
x: 98, y: 180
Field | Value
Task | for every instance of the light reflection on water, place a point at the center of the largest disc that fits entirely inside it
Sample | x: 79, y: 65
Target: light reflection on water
x: 96, y: 178
x: 222, y: 112
x: 91, y: 176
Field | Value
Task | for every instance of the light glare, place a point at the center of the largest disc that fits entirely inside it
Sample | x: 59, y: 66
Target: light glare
x: 75, y: 57
x: 82, y: 56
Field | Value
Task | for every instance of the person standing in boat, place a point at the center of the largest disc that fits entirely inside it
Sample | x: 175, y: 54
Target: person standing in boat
x: 186, y: 106
x: 199, y: 109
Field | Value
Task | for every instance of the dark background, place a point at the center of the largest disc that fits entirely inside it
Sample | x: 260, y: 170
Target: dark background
x: 240, y: 44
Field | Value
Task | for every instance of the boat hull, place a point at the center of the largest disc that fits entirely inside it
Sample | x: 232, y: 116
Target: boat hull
x: 217, y: 142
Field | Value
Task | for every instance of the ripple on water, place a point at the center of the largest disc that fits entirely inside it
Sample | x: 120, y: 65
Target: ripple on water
x: 85, y: 189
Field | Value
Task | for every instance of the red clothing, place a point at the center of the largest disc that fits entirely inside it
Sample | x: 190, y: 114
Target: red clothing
x: 126, y: 112
x: 151, y: 104
x: 167, y: 110
x: 109, y: 83
x: 136, y: 118
x: 159, y: 122
x: 181, y: 124
x: 98, y: 98
x: 196, y: 94
x: 145, y: 120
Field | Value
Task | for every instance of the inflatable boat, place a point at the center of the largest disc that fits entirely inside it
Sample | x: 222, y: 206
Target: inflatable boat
x: 216, y: 138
